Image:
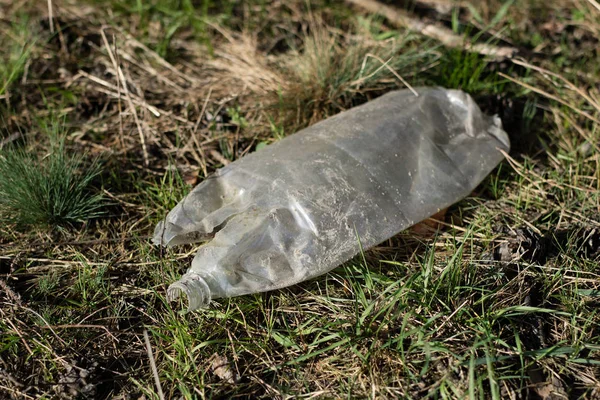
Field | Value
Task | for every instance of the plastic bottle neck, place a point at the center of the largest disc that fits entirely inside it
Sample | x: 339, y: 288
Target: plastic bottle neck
x: 195, y: 288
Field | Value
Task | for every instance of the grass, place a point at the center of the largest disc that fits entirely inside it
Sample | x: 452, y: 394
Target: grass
x: 331, y: 69
x: 14, y: 55
x: 499, y: 302
x: 49, y: 189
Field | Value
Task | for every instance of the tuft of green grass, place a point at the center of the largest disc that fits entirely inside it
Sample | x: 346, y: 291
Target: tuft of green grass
x: 465, y: 71
x: 163, y: 194
x: 53, y: 190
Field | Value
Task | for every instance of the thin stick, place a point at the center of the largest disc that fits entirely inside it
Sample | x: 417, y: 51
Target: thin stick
x: 595, y: 4
x: 219, y: 157
x: 121, y: 76
x: 153, y: 366
x: 446, y: 36
x: 121, y: 135
x: 50, y: 17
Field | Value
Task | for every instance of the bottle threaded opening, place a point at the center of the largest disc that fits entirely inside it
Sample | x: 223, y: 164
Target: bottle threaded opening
x: 194, y: 287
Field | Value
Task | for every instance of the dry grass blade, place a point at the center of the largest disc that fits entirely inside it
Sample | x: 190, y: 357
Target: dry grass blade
x: 384, y: 64
x: 155, y: 55
x: 121, y: 77
x: 518, y: 168
x: 550, y: 96
x: 134, y: 99
x: 50, y: 16
x: 571, y: 86
x: 202, y: 159
x: 161, y: 395
x: 45, y: 322
x: 242, y: 66
x: 595, y: 4
x: 584, y: 134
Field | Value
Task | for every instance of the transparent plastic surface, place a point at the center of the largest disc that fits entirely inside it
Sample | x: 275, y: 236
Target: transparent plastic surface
x: 302, y: 206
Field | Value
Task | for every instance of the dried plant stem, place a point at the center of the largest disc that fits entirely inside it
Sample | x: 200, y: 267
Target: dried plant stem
x: 50, y: 16
x: 121, y: 76
x: 153, y: 365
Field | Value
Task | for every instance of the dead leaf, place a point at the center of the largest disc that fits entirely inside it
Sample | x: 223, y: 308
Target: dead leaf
x: 430, y: 226
x: 547, y: 390
x: 219, y: 365
x: 191, y: 178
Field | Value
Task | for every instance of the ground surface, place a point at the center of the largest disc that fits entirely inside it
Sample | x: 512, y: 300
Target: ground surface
x: 112, y: 110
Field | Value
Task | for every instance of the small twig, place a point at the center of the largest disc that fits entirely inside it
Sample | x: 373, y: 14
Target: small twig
x: 219, y: 157
x: 444, y: 35
x: 50, y: 16
x: 121, y: 76
x: 118, y: 95
x: 153, y: 366
x: 125, y: 203
x: 136, y: 99
x: 595, y: 4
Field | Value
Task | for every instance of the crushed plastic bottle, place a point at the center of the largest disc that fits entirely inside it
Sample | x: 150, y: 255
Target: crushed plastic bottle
x: 302, y: 206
